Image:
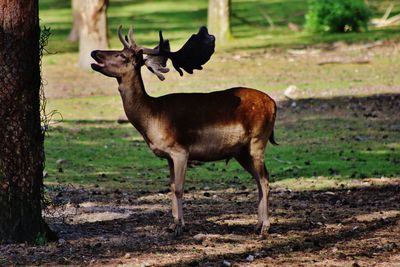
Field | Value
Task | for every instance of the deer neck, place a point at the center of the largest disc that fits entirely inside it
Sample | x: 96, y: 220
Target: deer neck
x: 136, y: 101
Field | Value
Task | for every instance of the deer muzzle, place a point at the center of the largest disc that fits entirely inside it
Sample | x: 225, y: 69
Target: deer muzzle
x: 99, y: 62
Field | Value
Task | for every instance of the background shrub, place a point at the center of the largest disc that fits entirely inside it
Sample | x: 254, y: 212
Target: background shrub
x: 337, y: 16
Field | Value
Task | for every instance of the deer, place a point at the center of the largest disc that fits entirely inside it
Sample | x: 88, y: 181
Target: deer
x: 180, y: 127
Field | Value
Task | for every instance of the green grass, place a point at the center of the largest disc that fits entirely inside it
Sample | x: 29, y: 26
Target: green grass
x: 180, y: 19
x: 337, y: 148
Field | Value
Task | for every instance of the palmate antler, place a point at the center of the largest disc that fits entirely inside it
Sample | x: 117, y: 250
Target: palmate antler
x: 193, y: 54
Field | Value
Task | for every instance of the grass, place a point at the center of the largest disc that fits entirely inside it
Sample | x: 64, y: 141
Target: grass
x: 95, y: 96
x: 334, y: 148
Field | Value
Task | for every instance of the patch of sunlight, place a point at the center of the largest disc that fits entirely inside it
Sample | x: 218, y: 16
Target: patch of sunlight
x: 105, y: 173
x: 96, y: 211
x: 375, y: 152
x: 234, y: 219
x: 218, y: 237
x: 137, y: 138
x: 155, y: 197
x: 87, y: 142
x: 314, y: 183
x: 99, y: 216
x: 393, y: 145
x: 375, y: 216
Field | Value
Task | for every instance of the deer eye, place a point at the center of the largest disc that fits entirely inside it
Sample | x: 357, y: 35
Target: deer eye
x: 123, y: 56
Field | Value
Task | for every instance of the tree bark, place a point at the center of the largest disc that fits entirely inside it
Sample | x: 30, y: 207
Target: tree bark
x: 21, y: 137
x: 76, y: 21
x: 219, y: 20
x: 93, y: 30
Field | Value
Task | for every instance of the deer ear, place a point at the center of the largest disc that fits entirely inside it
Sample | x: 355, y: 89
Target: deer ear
x: 139, y: 58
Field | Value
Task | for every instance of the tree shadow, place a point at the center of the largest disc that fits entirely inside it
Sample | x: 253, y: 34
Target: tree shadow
x: 302, y: 221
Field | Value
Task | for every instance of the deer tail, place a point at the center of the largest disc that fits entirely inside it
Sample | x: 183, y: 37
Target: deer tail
x: 272, y: 139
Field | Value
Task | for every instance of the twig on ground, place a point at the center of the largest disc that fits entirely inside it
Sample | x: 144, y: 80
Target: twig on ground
x: 344, y: 61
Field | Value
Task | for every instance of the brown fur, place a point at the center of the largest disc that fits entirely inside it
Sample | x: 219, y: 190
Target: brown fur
x: 234, y: 123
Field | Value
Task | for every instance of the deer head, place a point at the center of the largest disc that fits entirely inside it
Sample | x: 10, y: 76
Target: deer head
x: 119, y: 63
x: 196, y: 52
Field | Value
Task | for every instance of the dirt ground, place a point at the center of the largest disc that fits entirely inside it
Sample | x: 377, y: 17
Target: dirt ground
x: 354, y: 226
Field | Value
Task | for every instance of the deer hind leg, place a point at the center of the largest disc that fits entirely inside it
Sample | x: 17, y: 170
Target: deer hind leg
x: 177, y: 166
x: 263, y: 224
x: 253, y: 162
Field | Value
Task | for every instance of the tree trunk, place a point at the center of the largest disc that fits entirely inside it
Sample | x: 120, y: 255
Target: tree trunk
x: 76, y: 21
x: 21, y: 137
x: 219, y: 20
x: 93, y: 30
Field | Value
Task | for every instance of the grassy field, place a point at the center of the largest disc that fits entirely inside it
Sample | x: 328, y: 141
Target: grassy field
x: 320, y: 147
x: 323, y: 143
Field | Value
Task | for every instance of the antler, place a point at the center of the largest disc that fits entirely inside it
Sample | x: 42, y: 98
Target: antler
x: 128, y: 41
x: 122, y: 39
x: 130, y: 38
x: 193, y: 54
x: 157, y: 62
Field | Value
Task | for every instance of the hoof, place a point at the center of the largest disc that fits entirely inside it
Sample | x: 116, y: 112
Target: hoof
x: 262, y: 228
x: 177, y: 229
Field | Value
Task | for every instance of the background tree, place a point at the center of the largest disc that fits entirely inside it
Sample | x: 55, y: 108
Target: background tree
x: 76, y: 21
x: 219, y: 19
x: 92, y: 29
x: 21, y: 136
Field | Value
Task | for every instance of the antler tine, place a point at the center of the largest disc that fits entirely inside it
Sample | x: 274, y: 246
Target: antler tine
x: 156, y: 62
x: 131, y: 39
x: 156, y: 67
x: 121, y: 38
x: 155, y: 51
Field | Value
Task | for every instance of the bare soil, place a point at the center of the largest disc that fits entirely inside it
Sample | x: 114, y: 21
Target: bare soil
x: 355, y: 226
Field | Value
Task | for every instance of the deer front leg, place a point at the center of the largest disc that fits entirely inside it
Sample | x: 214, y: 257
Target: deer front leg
x: 177, y: 167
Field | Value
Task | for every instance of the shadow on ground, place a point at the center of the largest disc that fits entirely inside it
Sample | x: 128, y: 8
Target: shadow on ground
x: 340, y: 226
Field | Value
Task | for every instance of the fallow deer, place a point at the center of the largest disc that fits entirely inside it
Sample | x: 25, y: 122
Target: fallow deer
x: 233, y: 123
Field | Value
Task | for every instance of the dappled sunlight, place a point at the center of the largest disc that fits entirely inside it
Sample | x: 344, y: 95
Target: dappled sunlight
x: 124, y: 227
x: 377, y: 215
x: 99, y: 216
x: 234, y: 219
x: 376, y: 152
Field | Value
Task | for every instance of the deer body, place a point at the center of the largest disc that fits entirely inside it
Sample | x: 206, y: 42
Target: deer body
x: 234, y: 123
x: 207, y: 126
